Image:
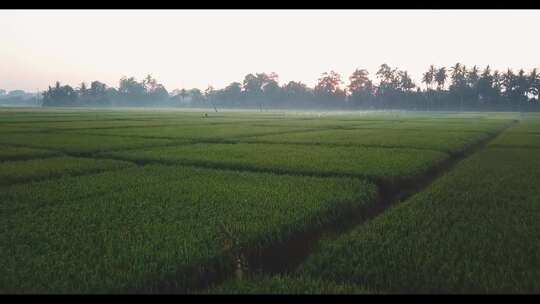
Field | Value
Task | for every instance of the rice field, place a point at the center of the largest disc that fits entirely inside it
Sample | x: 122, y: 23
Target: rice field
x: 115, y: 201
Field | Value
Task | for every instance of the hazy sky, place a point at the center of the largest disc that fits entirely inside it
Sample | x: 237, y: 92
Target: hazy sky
x: 185, y: 49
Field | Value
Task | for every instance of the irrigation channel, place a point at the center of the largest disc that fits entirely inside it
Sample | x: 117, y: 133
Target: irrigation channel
x: 286, y: 256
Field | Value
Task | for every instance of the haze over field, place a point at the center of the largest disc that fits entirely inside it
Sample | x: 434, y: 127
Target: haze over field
x: 186, y: 49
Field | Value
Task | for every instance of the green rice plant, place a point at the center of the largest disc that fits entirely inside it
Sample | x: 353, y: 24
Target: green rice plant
x: 165, y: 231
x: 390, y: 165
x: 517, y: 140
x: 68, y: 189
x: 440, y: 125
x: 452, y: 142
x: 194, y: 132
x: 93, y: 124
x: 18, y: 153
x: 29, y: 170
x: 114, y: 123
x: 284, y: 284
x: 77, y: 143
x: 474, y: 230
x: 316, y: 123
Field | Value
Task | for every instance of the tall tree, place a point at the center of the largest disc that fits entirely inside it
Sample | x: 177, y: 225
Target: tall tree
x: 297, y: 94
x: 83, y: 89
x: 360, y: 87
x: 60, y: 96
x: 406, y: 84
x: 428, y: 77
x: 149, y: 83
x: 232, y: 94
x: 440, y: 78
x: 522, y: 87
x: 197, y: 96
x: 509, y: 84
x: 459, y: 81
x: 534, y: 84
x: 183, y: 94
x: 389, y: 83
x: 98, y: 94
x: 328, y: 89
x: 497, y: 83
x: 261, y: 87
x: 131, y: 91
x: 485, y: 86
x: 472, y: 82
x: 209, y: 93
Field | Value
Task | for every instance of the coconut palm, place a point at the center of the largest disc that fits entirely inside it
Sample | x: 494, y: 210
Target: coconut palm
x: 534, y: 84
x: 428, y: 77
x: 440, y: 78
x: 458, y: 81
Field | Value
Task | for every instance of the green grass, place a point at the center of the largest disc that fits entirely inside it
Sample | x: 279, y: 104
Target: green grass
x: 475, y: 230
x: 163, y: 230
x: 30, y: 170
x: 390, y: 165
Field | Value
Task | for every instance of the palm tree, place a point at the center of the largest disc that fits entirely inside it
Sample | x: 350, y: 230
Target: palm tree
x: 508, y: 82
x: 472, y: 81
x: 428, y: 80
x: 523, y: 84
x: 458, y: 80
x: 522, y: 87
x: 429, y: 76
x: 497, y: 82
x: 440, y: 78
x: 534, y: 84
x: 473, y: 75
x: 406, y: 83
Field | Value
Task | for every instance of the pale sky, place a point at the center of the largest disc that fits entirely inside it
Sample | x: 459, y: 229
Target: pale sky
x: 192, y: 48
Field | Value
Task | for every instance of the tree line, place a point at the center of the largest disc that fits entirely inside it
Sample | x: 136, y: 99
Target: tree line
x: 18, y: 98
x: 441, y: 88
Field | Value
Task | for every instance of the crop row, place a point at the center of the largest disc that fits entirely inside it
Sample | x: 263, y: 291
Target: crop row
x: 451, y: 142
x: 284, y: 284
x: 527, y: 141
x: 19, y: 153
x: 474, y: 230
x: 69, y: 190
x: 166, y: 229
x: 77, y: 143
x: 36, y: 169
x: 197, y: 132
x: 390, y: 165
